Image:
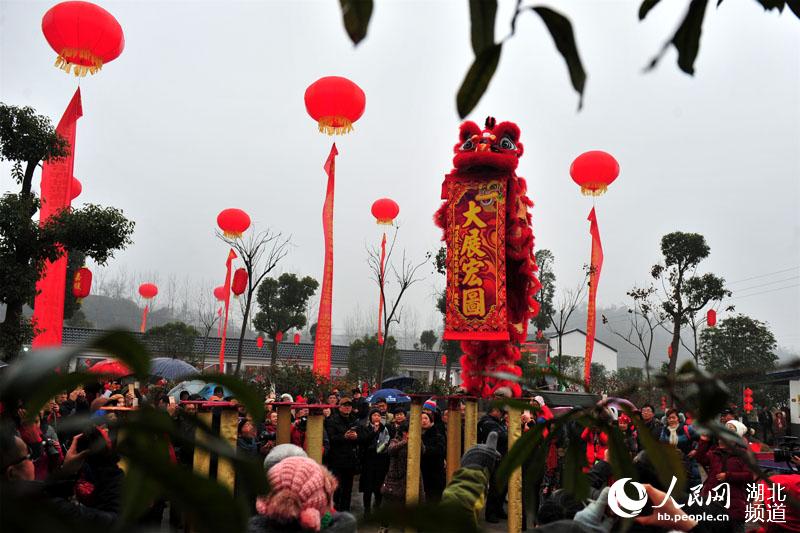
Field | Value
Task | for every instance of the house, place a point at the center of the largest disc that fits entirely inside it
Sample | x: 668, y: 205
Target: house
x: 419, y: 364
x: 573, y: 344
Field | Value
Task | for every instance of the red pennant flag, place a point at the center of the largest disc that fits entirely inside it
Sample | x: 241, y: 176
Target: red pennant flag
x: 48, y: 307
x: 231, y: 256
x: 322, y: 342
x: 594, y: 278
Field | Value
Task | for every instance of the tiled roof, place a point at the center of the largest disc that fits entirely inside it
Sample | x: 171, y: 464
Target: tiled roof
x: 287, y: 351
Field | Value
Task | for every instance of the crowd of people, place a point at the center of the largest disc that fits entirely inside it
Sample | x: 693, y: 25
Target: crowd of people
x: 365, y: 447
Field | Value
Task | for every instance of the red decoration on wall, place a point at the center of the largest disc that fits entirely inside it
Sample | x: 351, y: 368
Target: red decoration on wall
x: 335, y: 103
x: 594, y: 171
x: 239, y: 284
x: 233, y: 222
x: 82, y: 283
x: 260, y: 342
x: 279, y: 336
x: 594, y: 278
x: 385, y: 210
x: 76, y: 188
x: 48, y: 308
x: 297, y: 338
x: 219, y: 293
x: 711, y: 318
x: 84, y: 35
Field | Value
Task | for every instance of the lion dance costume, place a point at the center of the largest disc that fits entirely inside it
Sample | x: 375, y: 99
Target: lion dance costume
x: 491, y: 269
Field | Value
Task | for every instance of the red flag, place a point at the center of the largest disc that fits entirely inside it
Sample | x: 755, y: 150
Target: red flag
x: 380, y: 297
x: 48, y: 307
x: 322, y: 342
x: 594, y: 278
x: 231, y: 256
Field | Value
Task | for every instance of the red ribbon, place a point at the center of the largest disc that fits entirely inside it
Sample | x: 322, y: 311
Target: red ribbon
x: 143, y: 327
x: 594, y: 278
x: 322, y: 342
x: 231, y: 256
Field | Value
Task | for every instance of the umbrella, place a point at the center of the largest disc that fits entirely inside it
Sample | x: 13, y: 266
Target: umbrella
x: 399, y: 382
x: 111, y: 367
x: 390, y: 395
x: 171, y: 369
x: 192, y: 387
x: 208, y: 391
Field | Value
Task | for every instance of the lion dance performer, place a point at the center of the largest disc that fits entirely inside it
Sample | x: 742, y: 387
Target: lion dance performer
x: 491, y: 279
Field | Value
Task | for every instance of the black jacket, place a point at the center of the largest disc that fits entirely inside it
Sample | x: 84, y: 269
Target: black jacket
x: 486, y: 425
x: 344, y: 453
x: 374, y: 464
x: 432, y: 463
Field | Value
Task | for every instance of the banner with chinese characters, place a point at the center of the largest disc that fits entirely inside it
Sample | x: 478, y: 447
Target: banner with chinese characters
x: 476, y: 259
x: 322, y: 340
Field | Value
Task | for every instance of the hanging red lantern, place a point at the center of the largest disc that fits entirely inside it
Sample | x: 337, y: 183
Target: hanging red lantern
x: 335, y: 103
x: 76, y: 189
x: 233, y: 222
x: 84, y: 35
x: 444, y: 360
x: 279, y: 336
x: 297, y: 338
x: 594, y: 171
x: 148, y: 290
x: 385, y: 210
x: 669, y: 351
x: 82, y: 283
x: 539, y: 334
x: 219, y: 293
x: 239, y: 284
x: 260, y: 342
x: 711, y: 318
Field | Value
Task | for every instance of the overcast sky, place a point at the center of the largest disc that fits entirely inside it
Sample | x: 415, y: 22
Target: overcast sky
x: 204, y: 110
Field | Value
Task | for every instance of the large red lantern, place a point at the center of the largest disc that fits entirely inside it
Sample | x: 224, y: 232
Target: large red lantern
x: 239, y: 284
x: 297, y: 338
x: 219, y: 293
x: 594, y: 171
x: 260, y: 342
x: 279, y: 336
x: 233, y: 222
x: 711, y: 318
x: 335, y: 103
x: 84, y: 35
x: 82, y: 283
x: 76, y: 189
x: 148, y: 290
x: 385, y: 210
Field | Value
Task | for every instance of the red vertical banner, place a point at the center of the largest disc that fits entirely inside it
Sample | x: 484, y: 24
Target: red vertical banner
x: 143, y: 327
x: 476, y: 260
x: 594, y: 278
x: 380, y: 296
x: 322, y: 341
x: 231, y: 256
x: 48, y: 307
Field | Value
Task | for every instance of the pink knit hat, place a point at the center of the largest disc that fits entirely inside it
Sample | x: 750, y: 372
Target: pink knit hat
x: 301, y: 490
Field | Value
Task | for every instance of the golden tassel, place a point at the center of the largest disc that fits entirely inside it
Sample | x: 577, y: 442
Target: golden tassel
x: 594, y: 190
x: 335, y: 125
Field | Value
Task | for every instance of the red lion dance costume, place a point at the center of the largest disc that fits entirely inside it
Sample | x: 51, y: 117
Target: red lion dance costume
x: 491, y: 268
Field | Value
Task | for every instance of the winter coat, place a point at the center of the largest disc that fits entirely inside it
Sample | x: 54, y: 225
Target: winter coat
x: 344, y: 453
x: 654, y: 427
x: 488, y: 424
x: 432, y: 463
x: 374, y: 458
x: 686, y: 439
x: 717, y: 460
x: 340, y: 523
x: 394, y: 484
x: 596, y: 445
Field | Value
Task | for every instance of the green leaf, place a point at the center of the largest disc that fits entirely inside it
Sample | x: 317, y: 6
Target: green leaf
x: 356, y: 15
x: 575, y: 481
x: 477, y: 79
x: 687, y: 38
x: 645, y: 8
x: 528, y: 443
x: 241, y: 391
x: 560, y: 29
x: 482, y: 15
x: 769, y: 5
x: 619, y: 456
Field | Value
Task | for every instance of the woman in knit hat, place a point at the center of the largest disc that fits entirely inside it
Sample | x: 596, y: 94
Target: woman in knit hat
x: 300, y: 500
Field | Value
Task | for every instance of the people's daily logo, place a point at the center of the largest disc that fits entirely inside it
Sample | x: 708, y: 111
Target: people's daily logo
x: 621, y: 504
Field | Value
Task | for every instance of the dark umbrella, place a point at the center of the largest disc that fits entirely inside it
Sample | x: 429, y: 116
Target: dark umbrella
x: 171, y: 369
x: 390, y: 395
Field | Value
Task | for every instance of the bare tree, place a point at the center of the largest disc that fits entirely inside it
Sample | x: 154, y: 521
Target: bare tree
x: 567, y: 304
x: 205, y: 315
x: 404, y: 275
x: 260, y: 252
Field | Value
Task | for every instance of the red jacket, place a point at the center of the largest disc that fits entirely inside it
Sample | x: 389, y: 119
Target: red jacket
x: 717, y: 460
x: 596, y: 445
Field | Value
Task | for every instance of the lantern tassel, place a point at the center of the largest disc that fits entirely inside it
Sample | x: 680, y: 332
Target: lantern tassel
x: 335, y: 125
x: 594, y: 190
x: 78, y: 69
x: 232, y: 234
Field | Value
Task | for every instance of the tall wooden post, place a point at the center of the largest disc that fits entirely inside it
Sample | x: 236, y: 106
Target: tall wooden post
x: 453, y: 436
x: 470, y: 423
x: 223, y: 418
x: 314, y: 430
x: 515, y: 481
x: 284, y: 423
x: 414, y: 450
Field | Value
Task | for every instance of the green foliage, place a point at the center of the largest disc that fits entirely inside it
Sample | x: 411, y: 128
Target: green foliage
x: 75, y: 260
x: 295, y: 379
x: 26, y: 137
x: 547, y: 277
x: 356, y: 15
x: 738, y: 344
x: 174, y: 339
x: 428, y: 339
x: 364, y: 359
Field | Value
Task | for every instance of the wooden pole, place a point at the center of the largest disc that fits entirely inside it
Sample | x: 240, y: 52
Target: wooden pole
x: 314, y: 430
x: 470, y: 423
x: 515, y: 480
x: 414, y: 451
x: 453, y: 436
x: 224, y: 420
x: 284, y: 423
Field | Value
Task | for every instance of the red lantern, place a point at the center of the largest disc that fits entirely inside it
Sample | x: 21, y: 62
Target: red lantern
x: 594, y: 171
x: 385, y: 210
x: 76, y: 188
x: 748, y: 399
x: 260, y: 342
x: 335, y: 103
x: 669, y: 351
x: 233, y: 222
x: 84, y: 35
x: 711, y: 318
x: 219, y: 293
x: 82, y: 283
x: 148, y: 290
x: 239, y: 284
x: 279, y: 336
x: 539, y: 334
x: 444, y: 360
x: 297, y: 338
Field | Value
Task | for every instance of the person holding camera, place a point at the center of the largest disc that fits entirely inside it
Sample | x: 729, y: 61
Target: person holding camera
x: 374, y: 459
x: 343, y: 459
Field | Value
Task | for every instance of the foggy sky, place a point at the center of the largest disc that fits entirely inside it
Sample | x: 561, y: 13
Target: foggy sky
x: 204, y: 111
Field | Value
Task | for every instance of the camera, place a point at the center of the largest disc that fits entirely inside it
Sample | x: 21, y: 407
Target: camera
x: 788, y: 448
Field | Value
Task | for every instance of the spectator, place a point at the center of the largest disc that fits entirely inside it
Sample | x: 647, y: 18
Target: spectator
x: 246, y: 443
x: 682, y: 437
x: 298, y: 431
x: 394, y: 484
x: 375, y: 459
x: 433, y: 457
x: 779, y: 425
x: 650, y: 423
x: 218, y: 395
x: 492, y: 421
x: 765, y: 423
x: 398, y: 419
x: 267, y: 433
x: 343, y: 459
x: 383, y: 407
x: 629, y: 434
x: 333, y: 399
x: 360, y: 406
